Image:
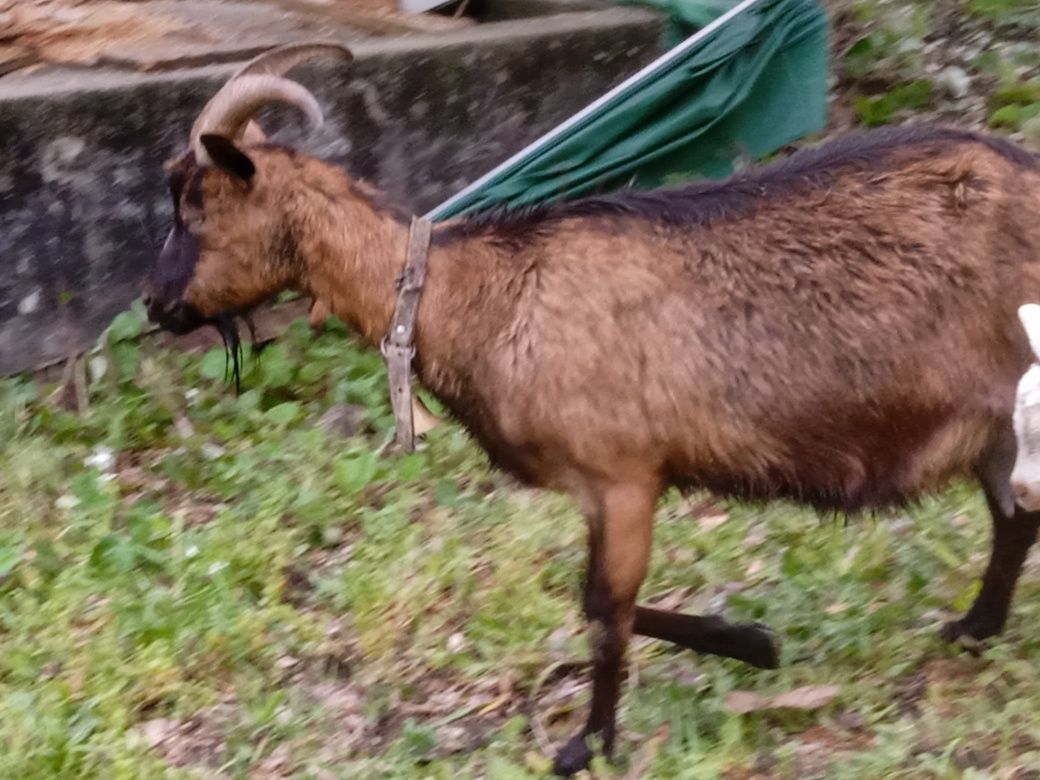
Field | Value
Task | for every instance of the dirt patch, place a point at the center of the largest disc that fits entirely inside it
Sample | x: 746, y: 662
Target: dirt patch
x: 816, y: 752
x: 199, y: 741
x: 436, y: 713
x: 439, y: 717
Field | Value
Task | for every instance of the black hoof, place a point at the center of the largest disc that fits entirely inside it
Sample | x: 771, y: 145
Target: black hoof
x: 969, y: 634
x: 760, y: 646
x: 573, y: 757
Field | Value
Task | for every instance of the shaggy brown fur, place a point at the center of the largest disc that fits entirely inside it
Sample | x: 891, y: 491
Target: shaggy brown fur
x: 839, y: 329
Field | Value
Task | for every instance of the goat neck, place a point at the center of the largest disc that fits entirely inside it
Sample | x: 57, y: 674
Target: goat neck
x: 353, y: 252
x: 355, y: 249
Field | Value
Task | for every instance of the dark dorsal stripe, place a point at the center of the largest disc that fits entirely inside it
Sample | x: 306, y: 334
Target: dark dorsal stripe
x: 704, y: 202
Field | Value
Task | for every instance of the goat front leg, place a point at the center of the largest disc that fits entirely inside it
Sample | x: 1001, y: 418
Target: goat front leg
x: 620, y: 524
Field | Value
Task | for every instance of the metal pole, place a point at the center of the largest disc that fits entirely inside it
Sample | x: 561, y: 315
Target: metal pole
x: 592, y: 107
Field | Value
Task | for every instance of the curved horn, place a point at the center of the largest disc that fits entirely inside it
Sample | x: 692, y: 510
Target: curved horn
x: 256, y: 84
x: 241, y: 99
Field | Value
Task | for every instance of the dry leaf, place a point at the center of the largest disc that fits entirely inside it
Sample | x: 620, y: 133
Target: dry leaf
x: 457, y: 642
x: 810, y: 697
x: 647, y: 753
x: 183, y: 426
x: 742, y: 702
x: 756, y: 566
x: 672, y: 601
x: 155, y: 731
x: 424, y: 419
x: 711, y: 522
x: 755, y: 538
x: 319, y: 312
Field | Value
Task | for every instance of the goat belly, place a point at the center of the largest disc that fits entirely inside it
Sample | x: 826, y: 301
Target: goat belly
x: 859, y: 462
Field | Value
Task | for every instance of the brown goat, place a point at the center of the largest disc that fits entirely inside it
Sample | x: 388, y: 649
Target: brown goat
x: 839, y: 328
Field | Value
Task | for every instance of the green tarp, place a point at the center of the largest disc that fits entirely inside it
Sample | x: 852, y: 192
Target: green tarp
x: 752, y: 79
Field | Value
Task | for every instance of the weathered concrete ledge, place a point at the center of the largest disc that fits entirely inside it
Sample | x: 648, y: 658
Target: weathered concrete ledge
x: 83, y: 198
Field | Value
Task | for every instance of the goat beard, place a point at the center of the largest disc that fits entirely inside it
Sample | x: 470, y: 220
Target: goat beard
x: 227, y: 327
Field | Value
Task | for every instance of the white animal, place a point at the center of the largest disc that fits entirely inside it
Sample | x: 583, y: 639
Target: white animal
x: 1025, y: 477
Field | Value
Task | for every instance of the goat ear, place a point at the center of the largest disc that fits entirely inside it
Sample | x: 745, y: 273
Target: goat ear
x: 252, y: 133
x: 1029, y: 314
x: 228, y: 157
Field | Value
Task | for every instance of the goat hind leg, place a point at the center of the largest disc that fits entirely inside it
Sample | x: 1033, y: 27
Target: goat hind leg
x: 1012, y: 538
x: 619, y: 551
x: 1014, y: 532
x: 752, y: 643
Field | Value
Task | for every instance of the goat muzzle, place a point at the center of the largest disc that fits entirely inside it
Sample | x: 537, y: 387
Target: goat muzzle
x: 178, y: 317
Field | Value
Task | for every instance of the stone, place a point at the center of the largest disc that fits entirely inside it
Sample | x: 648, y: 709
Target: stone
x: 954, y: 81
x: 343, y: 420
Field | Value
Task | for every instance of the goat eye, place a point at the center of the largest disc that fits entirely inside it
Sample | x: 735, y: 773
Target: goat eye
x: 193, y: 220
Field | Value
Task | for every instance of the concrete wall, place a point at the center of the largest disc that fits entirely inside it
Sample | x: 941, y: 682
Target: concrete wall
x: 83, y: 198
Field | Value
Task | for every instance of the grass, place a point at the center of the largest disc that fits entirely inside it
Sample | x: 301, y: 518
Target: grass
x: 1013, y: 13
x: 194, y: 584
x: 892, y: 57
